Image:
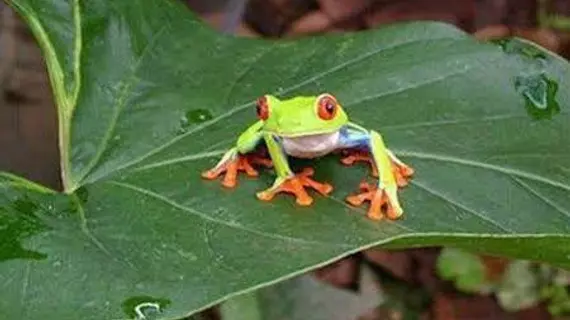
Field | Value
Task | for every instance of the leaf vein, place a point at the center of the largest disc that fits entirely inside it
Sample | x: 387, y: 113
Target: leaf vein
x: 246, y: 71
x: 362, y: 211
x: 25, y: 285
x: 170, y: 161
x: 409, y: 87
x: 540, y: 196
x: 456, y: 203
x: 85, y: 229
x: 454, y: 122
x: 472, y: 163
x: 205, y: 216
x: 217, y: 258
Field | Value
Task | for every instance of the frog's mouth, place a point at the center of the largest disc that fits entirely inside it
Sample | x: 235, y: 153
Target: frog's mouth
x: 311, y: 146
x: 297, y: 134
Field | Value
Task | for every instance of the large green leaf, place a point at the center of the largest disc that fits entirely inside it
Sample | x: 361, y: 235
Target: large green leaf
x: 148, y: 98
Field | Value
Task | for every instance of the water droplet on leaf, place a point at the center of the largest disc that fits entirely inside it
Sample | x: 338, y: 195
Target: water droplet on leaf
x: 539, y: 93
x: 144, y: 307
x: 192, y: 117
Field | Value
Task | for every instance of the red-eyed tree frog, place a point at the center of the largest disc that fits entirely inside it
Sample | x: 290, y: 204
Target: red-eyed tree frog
x: 310, y: 127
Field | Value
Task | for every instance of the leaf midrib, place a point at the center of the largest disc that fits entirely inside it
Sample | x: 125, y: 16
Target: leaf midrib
x: 66, y: 102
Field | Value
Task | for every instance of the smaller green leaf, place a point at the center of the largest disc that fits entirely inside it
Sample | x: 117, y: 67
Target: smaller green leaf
x: 465, y: 269
x: 554, y: 290
x: 558, y: 299
x: 306, y: 298
x: 520, y: 287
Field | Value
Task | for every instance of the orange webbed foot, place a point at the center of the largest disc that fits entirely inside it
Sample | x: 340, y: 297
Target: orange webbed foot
x: 353, y: 156
x: 233, y: 167
x: 296, y: 186
x: 401, y: 172
x: 379, y: 198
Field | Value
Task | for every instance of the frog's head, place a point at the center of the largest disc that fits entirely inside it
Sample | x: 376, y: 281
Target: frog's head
x: 301, y: 116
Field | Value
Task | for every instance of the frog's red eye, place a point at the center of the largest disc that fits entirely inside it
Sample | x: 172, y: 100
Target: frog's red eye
x: 262, y: 108
x: 327, y: 107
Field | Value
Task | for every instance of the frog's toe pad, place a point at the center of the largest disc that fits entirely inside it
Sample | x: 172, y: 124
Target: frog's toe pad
x: 211, y: 174
x: 296, y: 185
x: 378, y: 198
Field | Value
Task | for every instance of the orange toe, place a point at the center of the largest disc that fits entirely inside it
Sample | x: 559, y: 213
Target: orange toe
x: 376, y: 203
x: 366, y: 194
x: 392, y: 212
x: 380, y: 202
x: 230, y: 179
x: 402, y: 173
x: 296, y: 185
x: 370, y: 193
x: 211, y: 174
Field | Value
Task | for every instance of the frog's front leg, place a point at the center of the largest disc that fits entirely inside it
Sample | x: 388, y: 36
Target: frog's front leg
x: 239, y: 159
x: 286, y: 180
x: 385, y: 192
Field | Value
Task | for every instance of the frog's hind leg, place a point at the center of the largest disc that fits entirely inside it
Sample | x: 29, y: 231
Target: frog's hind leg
x: 401, y: 171
x: 383, y: 195
x: 354, y: 142
x: 289, y: 182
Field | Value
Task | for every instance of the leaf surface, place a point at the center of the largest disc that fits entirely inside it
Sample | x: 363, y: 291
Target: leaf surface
x: 148, y: 98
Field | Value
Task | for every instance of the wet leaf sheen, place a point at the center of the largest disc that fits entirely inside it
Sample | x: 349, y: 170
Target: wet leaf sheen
x: 148, y: 98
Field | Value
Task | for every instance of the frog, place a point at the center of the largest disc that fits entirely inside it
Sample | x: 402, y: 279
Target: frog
x: 310, y: 127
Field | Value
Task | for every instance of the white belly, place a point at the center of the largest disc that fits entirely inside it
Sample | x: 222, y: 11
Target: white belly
x: 311, y: 146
